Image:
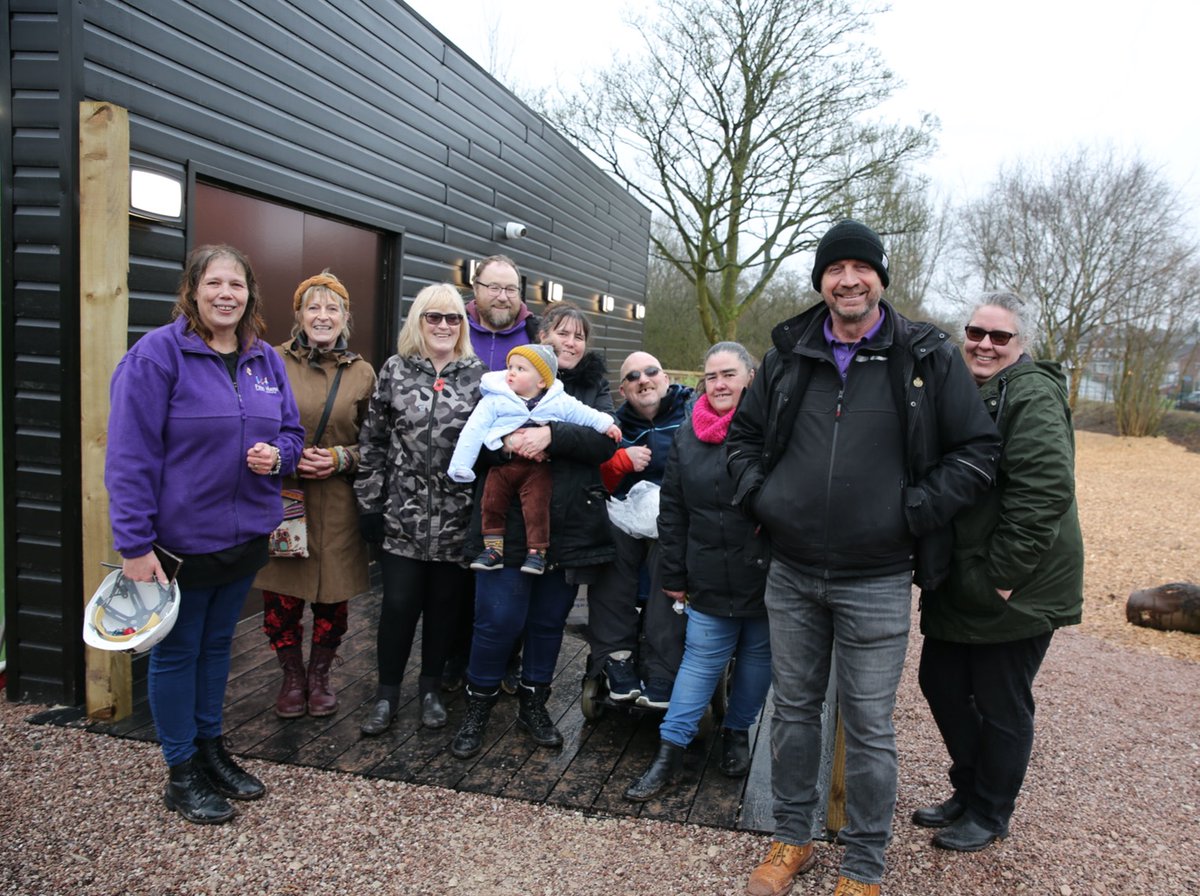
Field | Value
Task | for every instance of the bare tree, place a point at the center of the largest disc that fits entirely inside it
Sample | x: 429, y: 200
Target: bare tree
x: 744, y: 126
x: 1087, y: 241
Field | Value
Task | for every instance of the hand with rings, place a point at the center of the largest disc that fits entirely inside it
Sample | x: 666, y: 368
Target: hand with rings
x: 262, y: 458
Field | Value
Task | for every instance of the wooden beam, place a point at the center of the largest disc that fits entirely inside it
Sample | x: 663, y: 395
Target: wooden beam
x: 104, y: 327
x: 835, y: 809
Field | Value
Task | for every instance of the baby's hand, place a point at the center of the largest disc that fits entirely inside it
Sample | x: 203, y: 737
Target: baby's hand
x: 614, y: 433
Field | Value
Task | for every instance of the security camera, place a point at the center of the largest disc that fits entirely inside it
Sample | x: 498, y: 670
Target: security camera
x: 514, y: 230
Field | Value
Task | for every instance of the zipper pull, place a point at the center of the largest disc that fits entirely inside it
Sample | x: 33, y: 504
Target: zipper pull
x: 837, y: 414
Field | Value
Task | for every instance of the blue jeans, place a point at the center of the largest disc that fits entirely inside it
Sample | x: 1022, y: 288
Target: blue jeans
x: 190, y: 666
x: 867, y: 620
x: 508, y: 604
x: 709, y: 644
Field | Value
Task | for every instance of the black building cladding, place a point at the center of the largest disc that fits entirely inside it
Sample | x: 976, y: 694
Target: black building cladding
x: 354, y: 109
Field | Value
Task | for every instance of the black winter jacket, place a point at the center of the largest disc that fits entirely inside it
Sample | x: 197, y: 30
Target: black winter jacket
x: 579, y: 528
x: 707, y: 547
x: 951, y: 446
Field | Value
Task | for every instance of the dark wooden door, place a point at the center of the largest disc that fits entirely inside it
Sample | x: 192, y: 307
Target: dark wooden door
x: 287, y: 245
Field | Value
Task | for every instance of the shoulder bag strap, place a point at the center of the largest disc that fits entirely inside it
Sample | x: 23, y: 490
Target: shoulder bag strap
x: 320, y: 430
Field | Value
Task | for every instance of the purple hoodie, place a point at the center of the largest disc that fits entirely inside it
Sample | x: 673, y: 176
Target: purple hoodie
x: 178, y: 434
x: 493, y: 347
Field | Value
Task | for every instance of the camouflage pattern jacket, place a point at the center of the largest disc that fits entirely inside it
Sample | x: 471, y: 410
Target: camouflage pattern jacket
x: 413, y: 422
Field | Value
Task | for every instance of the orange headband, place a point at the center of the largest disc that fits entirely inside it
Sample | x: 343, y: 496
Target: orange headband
x: 330, y: 282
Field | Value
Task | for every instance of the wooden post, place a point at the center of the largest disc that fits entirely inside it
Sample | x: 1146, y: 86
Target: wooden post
x: 835, y: 808
x: 104, y: 327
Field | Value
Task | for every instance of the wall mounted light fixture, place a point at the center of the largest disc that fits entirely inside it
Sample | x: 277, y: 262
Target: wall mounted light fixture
x: 607, y: 303
x: 639, y: 311
x: 155, y: 195
x: 469, y: 266
x: 552, y: 291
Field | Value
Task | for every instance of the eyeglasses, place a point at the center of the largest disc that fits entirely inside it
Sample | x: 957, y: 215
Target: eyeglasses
x: 634, y: 375
x: 998, y: 337
x: 436, y: 317
x: 494, y: 289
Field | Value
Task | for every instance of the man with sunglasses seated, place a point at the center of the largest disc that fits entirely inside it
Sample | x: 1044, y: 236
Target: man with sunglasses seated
x: 652, y: 411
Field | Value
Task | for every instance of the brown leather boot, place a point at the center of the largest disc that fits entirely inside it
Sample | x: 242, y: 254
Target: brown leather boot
x: 290, y: 702
x: 847, y: 886
x: 322, y: 701
x: 778, y: 871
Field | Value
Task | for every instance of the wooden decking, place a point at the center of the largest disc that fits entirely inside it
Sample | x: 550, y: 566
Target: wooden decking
x: 590, y: 773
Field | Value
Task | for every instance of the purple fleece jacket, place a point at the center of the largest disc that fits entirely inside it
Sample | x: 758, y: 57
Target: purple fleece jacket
x: 178, y: 434
x: 492, y: 347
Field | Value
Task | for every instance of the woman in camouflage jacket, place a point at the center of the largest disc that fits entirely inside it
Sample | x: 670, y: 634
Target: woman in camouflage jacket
x: 407, y: 502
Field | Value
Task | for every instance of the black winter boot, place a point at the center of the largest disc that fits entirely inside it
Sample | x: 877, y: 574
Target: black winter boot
x: 735, y: 752
x: 189, y: 793
x: 667, y: 768
x: 469, y: 739
x: 532, y: 715
x: 227, y: 777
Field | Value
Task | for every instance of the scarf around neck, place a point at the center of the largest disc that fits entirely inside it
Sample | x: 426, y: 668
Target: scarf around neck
x: 710, y: 427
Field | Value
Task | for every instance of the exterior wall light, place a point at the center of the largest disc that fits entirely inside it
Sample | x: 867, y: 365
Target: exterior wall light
x: 154, y: 195
x: 607, y: 303
x: 469, y: 267
x: 639, y: 311
x: 552, y: 291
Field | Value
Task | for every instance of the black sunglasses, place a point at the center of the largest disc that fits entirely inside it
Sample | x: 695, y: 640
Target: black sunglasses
x: 998, y: 337
x: 634, y: 375
x: 436, y: 317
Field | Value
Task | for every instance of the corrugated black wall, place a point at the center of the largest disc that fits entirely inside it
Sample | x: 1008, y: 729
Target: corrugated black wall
x: 356, y: 109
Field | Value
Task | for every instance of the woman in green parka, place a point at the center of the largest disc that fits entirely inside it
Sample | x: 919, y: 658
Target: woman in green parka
x: 1017, y: 575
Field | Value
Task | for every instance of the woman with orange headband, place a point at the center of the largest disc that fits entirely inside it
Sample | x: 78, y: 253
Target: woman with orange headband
x: 323, y: 373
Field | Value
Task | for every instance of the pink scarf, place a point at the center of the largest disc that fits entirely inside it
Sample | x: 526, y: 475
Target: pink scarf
x: 708, y: 425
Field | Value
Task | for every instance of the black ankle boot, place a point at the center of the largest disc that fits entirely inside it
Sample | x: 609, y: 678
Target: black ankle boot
x: 667, y: 768
x: 189, y: 793
x: 735, y: 752
x: 469, y: 739
x: 433, y: 711
x: 227, y: 777
x: 532, y: 715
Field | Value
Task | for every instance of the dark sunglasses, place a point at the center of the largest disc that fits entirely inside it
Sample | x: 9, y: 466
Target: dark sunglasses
x: 436, y: 317
x: 634, y: 375
x: 998, y: 337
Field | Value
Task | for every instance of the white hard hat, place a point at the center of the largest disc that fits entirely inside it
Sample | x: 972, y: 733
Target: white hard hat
x: 129, y: 616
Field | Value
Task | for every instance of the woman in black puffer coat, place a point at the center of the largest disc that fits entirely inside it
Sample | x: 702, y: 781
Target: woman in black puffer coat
x: 710, y: 557
x: 512, y: 605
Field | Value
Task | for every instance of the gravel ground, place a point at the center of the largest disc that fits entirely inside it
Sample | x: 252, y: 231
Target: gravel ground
x: 1111, y: 804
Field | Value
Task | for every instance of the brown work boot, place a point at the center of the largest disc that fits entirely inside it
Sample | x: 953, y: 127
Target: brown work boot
x: 849, y: 887
x: 777, y: 873
x: 290, y: 702
x: 322, y: 699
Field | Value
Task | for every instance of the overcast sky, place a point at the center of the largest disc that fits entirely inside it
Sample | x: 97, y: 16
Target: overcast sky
x: 1023, y: 80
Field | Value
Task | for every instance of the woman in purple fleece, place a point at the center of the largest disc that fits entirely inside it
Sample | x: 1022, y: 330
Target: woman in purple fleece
x: 202, y: 424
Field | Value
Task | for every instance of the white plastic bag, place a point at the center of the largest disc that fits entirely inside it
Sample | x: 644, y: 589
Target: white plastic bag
x: 637, y: 513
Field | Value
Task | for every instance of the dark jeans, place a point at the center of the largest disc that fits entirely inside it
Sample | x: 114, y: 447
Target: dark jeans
x: 981, y: 697
x: 426, y: 590
x: 613, y: 622
x: 283, y: 621
x: 190, y: 667
x: 531, y: 482
x: 510, y: 604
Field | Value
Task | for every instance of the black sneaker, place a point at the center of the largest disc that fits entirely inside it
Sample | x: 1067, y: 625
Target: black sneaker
x: 488, y: 560
x: 656, y: 694
x: 535, y: 563
x: 623, y: 683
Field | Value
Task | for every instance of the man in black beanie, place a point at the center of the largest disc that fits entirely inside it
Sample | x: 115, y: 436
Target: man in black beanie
x: 855, y: 445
